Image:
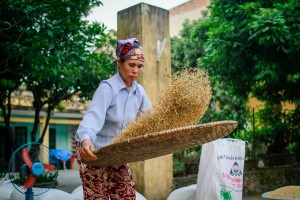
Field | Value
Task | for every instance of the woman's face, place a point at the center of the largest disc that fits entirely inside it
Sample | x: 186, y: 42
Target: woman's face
x: 130, y: 70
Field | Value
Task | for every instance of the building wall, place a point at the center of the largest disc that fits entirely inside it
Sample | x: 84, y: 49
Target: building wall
x: 65, y: 125
x: 191, y: 10
x: 256, y: 180
x: 62, y: 133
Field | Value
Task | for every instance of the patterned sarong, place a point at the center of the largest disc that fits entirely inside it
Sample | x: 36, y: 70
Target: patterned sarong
x: 105, y: 182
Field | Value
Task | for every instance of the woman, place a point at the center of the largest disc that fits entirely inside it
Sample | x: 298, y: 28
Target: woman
x: 115, y: 103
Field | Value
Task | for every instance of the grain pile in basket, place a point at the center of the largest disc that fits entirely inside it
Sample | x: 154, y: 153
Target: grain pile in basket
x: 182, y: 102
x: 287, y: 192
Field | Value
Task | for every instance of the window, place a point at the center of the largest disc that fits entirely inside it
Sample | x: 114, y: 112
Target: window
x: 20, y: 139
x: 52, y: 138
x: 20, y: 135
x: 4, y: 154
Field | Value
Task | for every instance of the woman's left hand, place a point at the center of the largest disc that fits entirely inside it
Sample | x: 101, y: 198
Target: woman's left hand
x: 86, y: 151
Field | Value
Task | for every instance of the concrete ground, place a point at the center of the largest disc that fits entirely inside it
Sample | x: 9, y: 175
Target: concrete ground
x: 253, y: 197
x: 69, y: 180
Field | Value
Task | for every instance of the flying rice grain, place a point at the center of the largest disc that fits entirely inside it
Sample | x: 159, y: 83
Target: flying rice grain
x: 183, y: 102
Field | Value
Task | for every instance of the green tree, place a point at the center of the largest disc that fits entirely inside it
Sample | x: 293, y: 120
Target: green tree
x: 185, y: 51
x: 253, y: 48
x: 50, y: 48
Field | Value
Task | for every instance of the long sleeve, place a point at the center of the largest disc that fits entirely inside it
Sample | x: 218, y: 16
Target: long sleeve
x: 112, y: 108
x: 94, y: 117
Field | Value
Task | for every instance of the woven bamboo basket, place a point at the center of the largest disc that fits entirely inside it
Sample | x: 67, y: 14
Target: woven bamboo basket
x: 161, y: 143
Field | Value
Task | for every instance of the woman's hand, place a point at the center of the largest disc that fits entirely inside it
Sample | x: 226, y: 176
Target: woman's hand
x: 86, y: 151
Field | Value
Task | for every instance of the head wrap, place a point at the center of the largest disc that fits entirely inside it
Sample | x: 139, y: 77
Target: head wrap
x: 129, y: 49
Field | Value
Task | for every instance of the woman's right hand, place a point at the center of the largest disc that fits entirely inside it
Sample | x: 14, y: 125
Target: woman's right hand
x: 86, y: 151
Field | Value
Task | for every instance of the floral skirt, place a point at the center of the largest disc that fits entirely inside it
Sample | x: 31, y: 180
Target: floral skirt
x: 105, y: 182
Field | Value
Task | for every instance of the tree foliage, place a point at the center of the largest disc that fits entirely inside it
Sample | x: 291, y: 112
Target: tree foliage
x: 253, y: 47
x: 185, y: 51
x: 49, y: 47
x: 250, y: 49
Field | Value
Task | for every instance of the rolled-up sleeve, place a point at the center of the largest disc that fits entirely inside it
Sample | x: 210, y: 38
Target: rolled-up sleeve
x: 94, y: 117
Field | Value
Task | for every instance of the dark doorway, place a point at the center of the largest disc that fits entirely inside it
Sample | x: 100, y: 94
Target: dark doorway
x: 52, y: 138
x: 20, y: 135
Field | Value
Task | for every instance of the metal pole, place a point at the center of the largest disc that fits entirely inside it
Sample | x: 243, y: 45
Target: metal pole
x: 253, y: 135
x: 29, y: 194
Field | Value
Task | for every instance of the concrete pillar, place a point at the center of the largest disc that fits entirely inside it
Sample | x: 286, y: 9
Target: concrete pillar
x: 150, y: 25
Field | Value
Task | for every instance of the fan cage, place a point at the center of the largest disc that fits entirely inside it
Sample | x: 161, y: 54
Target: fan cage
x: 18, y: 172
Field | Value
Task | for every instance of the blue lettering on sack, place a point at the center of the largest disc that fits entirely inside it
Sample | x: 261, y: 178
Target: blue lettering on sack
x: 220, y: 157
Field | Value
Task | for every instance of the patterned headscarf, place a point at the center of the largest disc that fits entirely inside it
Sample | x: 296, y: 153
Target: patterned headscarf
x: 129, y: 49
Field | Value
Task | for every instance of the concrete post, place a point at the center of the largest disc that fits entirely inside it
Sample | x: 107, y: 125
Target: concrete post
x: 150, y: 25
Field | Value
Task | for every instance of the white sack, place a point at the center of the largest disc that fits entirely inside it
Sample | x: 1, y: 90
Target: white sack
x: 221, y: 170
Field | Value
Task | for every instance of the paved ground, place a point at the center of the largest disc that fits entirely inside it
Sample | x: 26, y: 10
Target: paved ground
x: 68, y: 180
x: 253, y: 197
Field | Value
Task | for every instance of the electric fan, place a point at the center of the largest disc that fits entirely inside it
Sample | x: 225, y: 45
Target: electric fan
x: 30, y: 170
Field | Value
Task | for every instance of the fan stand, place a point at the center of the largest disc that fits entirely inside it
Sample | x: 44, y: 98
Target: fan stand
x: 37, y: 169
x: 29, y: 194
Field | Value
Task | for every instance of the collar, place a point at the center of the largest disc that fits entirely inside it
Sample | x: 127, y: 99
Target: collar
x: 121, y: 84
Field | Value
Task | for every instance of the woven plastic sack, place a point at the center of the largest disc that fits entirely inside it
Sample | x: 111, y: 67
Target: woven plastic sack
x: 221, y: 170
x: 184, y: 193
